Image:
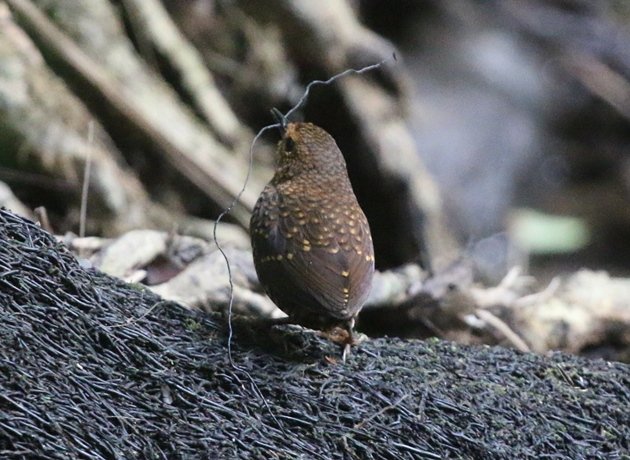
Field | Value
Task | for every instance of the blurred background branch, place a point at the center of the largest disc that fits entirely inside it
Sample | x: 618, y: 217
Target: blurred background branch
x: 500, y: 138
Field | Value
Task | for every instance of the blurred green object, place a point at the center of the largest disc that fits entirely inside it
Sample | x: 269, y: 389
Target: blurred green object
x: 540, y: 233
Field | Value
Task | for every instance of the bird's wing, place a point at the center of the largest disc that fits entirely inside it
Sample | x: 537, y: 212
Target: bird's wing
x: 304, y: 263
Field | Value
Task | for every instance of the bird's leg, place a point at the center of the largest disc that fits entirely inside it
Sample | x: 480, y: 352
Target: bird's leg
x: 349, y: 341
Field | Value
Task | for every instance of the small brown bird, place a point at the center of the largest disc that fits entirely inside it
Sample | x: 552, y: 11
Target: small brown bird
x: 311, y: 241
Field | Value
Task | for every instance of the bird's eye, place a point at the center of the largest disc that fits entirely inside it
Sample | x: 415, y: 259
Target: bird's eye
x: 289, y: 145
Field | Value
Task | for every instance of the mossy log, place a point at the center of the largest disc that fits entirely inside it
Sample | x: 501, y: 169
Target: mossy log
x: 95, y: 368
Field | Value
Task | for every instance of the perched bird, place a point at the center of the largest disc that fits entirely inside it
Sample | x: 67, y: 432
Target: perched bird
x: 311, y: 241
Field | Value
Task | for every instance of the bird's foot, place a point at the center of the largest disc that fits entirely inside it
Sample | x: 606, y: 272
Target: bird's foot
x: 346, y: 352
x: 346, y: 337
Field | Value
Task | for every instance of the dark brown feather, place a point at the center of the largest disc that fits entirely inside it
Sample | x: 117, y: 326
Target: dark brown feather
x: 311, y: 241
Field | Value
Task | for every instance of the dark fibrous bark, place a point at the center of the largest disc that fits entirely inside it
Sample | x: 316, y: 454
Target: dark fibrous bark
x: 96, y: 368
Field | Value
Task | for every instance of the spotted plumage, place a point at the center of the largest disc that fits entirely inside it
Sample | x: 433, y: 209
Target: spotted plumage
x: 311, y: 241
